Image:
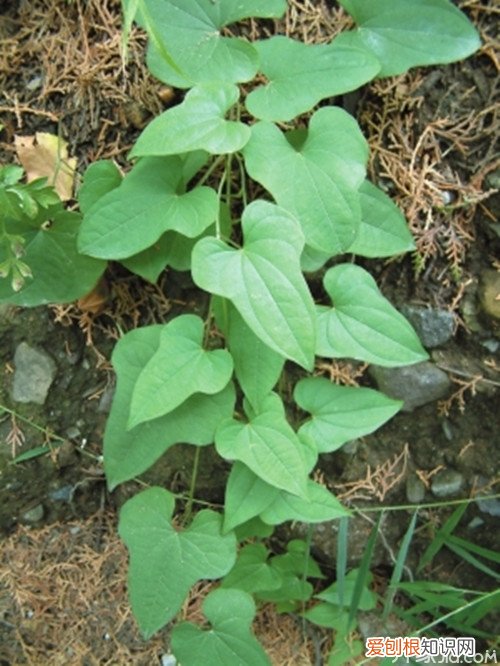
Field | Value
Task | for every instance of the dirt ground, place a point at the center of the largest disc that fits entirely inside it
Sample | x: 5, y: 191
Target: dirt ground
x: 434, y: 140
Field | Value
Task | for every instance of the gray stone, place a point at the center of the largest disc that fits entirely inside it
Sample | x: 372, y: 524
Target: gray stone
x: 416, y: 384
x: 489, y: 506
x: 433, y: 327
x: 489, y: 293
x: 34, y: 515
x: 62, y: 494
x: 35, y: 372
x: 447, y: 483
x: 415, y: 489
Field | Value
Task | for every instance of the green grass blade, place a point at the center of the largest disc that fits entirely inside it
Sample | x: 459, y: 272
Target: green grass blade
x: 478, y: 550
x: 341, y: 565
x: 398, y: 568
x: 364, y: 571
x: 468, y: 557
x: 441, y: 537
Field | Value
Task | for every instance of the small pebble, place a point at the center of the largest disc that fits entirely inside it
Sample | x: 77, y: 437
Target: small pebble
x: 62, y: 494
x: 415, y: 489
x: 490, y: 506
x: 34, y: 515
x: 447, y: 483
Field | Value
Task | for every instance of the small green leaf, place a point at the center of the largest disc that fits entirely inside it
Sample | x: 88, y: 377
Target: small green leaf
x: 229, y: 641
x: 256, y: 366
x: 60, y: 273
x: 251, y: 572
x: 150, y: 200
x: 164, y: 563
x: 187, y: 48
x: 128, y: 453
x: 177, y: 370
x: 315, y: 175
x: 263, y: 280
x: 300, y: 75
x: 196, y: 124
x: 319, y: 506
x: 367, y: 601
x: 383, y: 231
x: 340, y: 414
x: 362, y: 324
x: 267, y: 445
x: 409, y: 34
x: 246, y: 496
x: 100, y: 178
x: 327, y: 615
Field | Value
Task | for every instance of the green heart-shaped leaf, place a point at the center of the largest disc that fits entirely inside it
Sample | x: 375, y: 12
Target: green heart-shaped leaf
x: 164, y: 563
x: 129, y: 453
x: 408, y: 34
x: 300, y: 75
x: 186, y: 46
x: 268, y: 445
x: 362, y: 324
x: 150, y: 200
x: 100, y: 178
x: 383, y: 231
x: 246, y: 496
x: 263, y: 280
x: 229, y: 641
x: 178, y: 369
x: 60, y: 273
x: 251, y: 572
x: 341, y: 413
x: 196, y: 124
x: 315, y: 175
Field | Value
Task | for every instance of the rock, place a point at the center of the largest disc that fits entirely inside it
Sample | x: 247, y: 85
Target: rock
x: 416, y: 384
x: 35, y: 372
x: 34, y: 515
x: 415, y: 489
x: 489, y: 293
x: 61, y: 494
x: 490, y: 506
x: 433, y: 327
x: 447, y: 483
x: 106, y: 400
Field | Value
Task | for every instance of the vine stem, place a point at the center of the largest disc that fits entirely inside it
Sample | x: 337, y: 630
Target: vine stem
x: 194, y: 475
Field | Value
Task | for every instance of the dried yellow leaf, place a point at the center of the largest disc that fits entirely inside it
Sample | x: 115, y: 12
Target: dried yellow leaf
x: 46, y: 156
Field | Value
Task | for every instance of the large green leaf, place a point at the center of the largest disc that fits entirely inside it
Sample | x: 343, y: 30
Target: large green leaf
x: 300, y: 75
x: 246, y: 496
x: 268, y: 445
x: 186, y: 46
x: 164, y: 563
x: 178, y: 369
x: 60, y: 273
x: 314, y: 175
x: 407, y: 33
x: 263, y: 280
x: 340, y: 414
x: 362, y: 324
x: 128, y: 453
x: 256, y: 366
x: 251, y: 572
x: 320, y: 505
x: 196, y: 124
x: 229, y: 641
x: 150, y: 200
x: 383, y: 231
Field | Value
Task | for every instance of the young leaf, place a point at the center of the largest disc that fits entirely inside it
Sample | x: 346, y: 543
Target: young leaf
x: 229, y: 641
x: 267, y: 445
x: 246, y: 496
x: 196, y: 124
x: 314, y: 175
x: 366, y: 602
x: 256, y: 366
x: 164, y: 563
x: 340, y: 414
x: 178, y: 369
x: 251, y: 572
x: 189, y: 31
x: 300, y: 75
x: 383, y: 231
x: 150, y: 200
x: 100, y: 178
x: 128, y: 453
x: 409, y: 34
x: 362, y: 324
x: 60, y: 273
x: 263, y: 280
